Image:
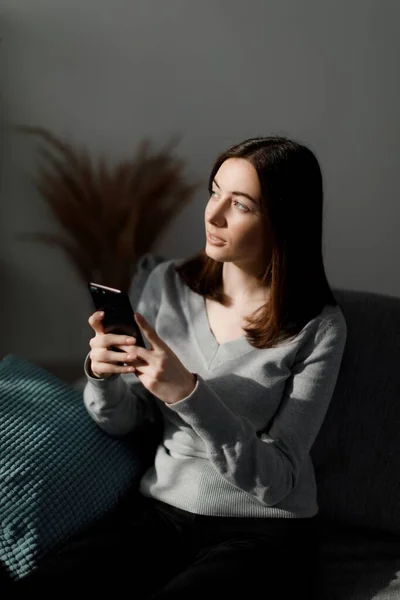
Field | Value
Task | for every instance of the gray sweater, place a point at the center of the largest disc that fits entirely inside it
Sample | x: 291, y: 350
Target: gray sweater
x: 239, y: 445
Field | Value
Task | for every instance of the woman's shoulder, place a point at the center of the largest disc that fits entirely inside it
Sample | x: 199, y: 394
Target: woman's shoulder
x: 327, y: 329
x: 332, y: 316
x: 165, y: 276
x: 167, y: 267
x: 162, y: 268
x: 329, y: 318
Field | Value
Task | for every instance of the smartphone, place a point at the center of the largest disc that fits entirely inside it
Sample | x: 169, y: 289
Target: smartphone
x: 118, y: 312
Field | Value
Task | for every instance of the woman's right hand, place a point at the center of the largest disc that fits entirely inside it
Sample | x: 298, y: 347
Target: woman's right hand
x: 104, y: 360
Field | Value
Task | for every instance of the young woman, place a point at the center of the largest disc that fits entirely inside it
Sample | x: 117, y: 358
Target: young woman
x: 244, y: 345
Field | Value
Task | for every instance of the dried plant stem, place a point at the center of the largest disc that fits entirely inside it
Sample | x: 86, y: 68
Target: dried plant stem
x: 110, y: 216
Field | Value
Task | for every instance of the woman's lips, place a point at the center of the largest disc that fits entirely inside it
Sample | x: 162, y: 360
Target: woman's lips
x: 215, y: 241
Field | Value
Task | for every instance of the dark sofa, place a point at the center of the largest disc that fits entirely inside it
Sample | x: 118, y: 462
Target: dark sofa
x: 356, y: 454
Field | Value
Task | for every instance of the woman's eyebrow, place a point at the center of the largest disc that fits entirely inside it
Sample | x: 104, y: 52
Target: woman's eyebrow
x: 239, y: 194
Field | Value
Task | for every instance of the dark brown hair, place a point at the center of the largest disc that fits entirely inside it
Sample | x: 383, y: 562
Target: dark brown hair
x: 292, y: 206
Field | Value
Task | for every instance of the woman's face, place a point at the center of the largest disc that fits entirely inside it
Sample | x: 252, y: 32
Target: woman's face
x: 233, y: 214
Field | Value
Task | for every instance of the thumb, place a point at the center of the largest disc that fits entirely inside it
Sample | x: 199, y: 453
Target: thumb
x: 96, y: 322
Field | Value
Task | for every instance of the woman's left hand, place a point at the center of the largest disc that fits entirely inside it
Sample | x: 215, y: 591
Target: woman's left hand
x: 159, y: 369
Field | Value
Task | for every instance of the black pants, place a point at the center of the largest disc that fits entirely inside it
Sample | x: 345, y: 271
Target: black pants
x: 152, y: 550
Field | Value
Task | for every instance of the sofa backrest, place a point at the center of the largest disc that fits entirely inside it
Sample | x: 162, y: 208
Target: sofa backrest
x: 357, y: 451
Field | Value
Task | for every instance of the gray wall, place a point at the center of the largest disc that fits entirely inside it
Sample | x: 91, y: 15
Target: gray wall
x: 106, y: 74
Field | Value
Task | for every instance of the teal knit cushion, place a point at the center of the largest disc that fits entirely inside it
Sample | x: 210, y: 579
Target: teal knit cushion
x: 58, y: 470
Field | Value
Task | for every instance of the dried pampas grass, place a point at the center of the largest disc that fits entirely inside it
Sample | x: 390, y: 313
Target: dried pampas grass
x: 110, y: 216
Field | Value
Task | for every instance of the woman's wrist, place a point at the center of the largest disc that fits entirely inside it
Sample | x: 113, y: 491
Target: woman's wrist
x: 188, y: 390
x: 93, y: 374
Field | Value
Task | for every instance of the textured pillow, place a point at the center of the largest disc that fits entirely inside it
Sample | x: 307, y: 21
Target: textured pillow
x: 58, y: 470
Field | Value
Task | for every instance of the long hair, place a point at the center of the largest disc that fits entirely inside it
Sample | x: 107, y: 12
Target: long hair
x: 292, y: 209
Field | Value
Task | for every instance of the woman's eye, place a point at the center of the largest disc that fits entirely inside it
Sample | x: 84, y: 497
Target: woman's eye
x: 242, y: 208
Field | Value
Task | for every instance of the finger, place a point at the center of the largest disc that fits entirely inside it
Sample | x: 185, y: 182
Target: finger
x: 104, y: 369
x: 149, y: 332
x: 111, y: 339
x: 95, y: 321
x: 102, y: 355
x: 144, y: 355
x: 126, y: 348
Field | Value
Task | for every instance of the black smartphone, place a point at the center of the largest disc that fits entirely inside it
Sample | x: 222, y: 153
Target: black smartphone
x: 118, y: 312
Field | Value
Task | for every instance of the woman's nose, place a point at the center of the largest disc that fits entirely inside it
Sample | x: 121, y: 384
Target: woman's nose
x: 216, y: 213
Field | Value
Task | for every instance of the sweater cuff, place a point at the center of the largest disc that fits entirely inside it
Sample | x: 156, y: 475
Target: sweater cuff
x: 98, y: 381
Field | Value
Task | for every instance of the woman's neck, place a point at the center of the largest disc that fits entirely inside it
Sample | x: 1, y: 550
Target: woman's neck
x: 242, y: 288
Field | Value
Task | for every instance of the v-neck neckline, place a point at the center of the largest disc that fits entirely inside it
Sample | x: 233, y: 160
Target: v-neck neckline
x: 213, y: 352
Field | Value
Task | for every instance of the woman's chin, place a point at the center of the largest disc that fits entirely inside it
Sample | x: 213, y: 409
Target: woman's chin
x: 215, y: 252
